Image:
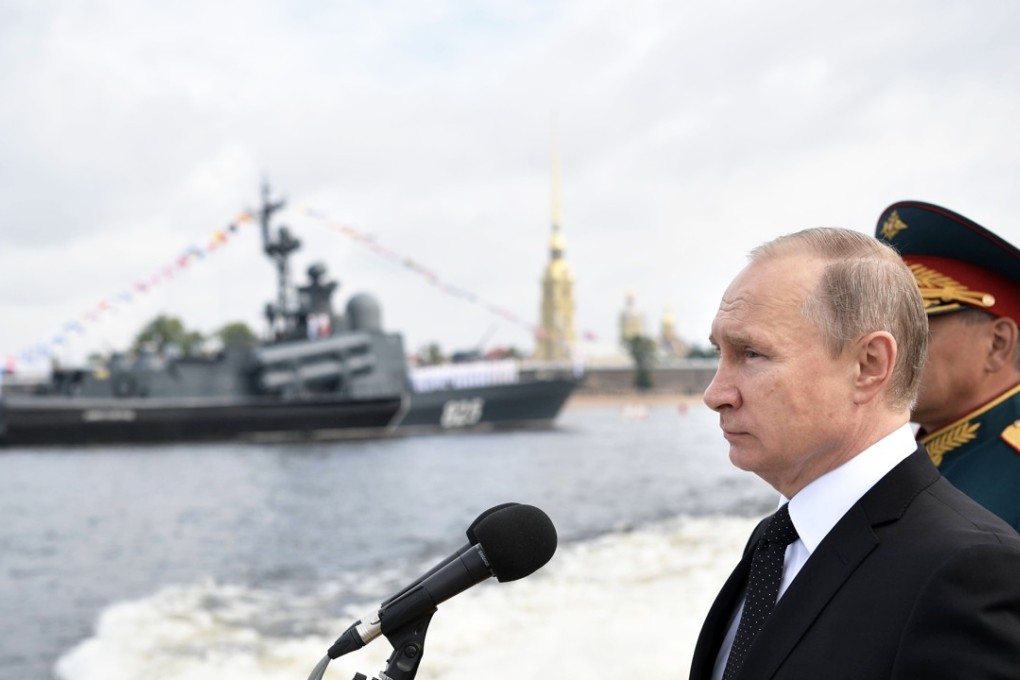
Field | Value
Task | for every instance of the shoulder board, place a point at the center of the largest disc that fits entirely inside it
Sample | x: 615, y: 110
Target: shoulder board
x: 1011, y: 435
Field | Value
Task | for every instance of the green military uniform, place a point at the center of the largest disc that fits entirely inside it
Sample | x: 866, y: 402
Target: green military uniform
x: 958, y: 265
x: 980, y: 455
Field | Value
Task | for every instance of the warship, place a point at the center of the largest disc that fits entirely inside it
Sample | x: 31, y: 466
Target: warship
x: 317, y: 375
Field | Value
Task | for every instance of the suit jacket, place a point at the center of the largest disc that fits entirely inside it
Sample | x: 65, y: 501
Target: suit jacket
x: 915, y: 582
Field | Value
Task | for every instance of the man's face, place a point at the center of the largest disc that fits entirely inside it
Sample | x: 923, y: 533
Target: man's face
x: 951, y: 382
x: 783, y: 401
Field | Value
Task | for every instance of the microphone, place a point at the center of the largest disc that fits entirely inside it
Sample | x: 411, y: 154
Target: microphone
x: 472, y: 541
x: 510, y: 541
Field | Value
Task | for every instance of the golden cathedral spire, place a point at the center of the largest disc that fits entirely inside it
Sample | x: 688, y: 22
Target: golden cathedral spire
x: 555, y: 178
x: 556, y: 338
x: 557, y: 243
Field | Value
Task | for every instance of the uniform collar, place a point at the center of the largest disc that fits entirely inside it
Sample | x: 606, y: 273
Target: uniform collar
x: 962, y: 431
x: 924, y: 436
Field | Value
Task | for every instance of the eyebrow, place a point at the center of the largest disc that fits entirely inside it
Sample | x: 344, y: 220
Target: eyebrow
x: 735, y: 338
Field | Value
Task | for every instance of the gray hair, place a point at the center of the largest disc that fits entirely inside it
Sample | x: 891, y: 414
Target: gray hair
x: 864, y: 287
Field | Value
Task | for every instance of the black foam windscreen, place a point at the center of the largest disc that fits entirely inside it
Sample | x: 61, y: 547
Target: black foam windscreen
x: 471, y: 535
x: 518, y: 540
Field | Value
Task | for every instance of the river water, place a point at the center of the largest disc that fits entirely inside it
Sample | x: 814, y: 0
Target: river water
x: 231, y: 561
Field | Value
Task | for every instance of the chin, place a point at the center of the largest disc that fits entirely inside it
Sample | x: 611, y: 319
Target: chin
x: 742, y: 459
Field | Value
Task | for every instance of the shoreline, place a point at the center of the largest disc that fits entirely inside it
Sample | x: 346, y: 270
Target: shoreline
x: 582, y: 400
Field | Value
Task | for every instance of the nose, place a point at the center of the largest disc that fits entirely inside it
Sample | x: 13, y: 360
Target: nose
x: 721, y: 393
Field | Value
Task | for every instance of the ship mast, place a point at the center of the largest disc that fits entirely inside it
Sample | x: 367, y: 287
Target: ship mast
x: 279, y: 251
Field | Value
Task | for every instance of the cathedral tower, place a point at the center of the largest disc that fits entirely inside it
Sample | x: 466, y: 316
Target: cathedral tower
x: 632, y: 322
x: 556, y: 337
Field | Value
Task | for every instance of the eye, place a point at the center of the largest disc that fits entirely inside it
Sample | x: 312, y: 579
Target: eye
x: 749, y: 353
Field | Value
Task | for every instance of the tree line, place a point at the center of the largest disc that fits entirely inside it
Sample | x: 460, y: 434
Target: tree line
x: 168, y: 335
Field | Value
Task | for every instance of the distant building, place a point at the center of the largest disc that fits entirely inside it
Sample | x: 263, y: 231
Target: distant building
x: 556, y: 334
x: 671, y: 344
x: 668, y: 344
x: 672, y: 372
x: 632, y: 322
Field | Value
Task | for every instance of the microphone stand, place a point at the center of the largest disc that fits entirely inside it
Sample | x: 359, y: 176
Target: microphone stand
x: 408, y: 648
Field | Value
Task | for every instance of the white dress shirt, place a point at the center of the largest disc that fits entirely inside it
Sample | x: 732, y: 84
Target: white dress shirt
x: 821, y: 504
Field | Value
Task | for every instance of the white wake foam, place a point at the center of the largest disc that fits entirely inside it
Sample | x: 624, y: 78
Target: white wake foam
x: 623, y: 605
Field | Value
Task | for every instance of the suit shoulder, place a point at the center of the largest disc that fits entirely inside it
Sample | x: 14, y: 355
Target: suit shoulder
x: 964, y: 519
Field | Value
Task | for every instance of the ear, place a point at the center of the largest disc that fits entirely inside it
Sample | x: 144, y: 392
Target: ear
x: 876, y: 357
x: 1003, y: 349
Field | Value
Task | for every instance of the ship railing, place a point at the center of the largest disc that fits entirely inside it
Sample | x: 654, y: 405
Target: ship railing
x: 462, y: 375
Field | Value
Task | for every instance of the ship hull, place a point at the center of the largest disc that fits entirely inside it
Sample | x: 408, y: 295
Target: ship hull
x: 35, y: 421
x: 27, y: 421
x: 529, y: 404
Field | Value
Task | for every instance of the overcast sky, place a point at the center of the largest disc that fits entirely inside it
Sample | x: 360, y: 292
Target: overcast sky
x: 689, y: 132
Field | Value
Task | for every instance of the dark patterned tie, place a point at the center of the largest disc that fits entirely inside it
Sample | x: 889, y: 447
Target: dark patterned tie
x: 762, y: 586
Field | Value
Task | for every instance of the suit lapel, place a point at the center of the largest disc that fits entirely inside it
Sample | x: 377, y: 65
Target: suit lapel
x: 829, y: 566
x: 834, y: 561
x: 717, y: 621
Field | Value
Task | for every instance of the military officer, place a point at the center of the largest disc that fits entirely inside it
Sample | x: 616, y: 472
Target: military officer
x: 968, y: 411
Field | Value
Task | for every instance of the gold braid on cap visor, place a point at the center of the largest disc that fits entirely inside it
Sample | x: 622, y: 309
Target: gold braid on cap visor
x: 942, y: 293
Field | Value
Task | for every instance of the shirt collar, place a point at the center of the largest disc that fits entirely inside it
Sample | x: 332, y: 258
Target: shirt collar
x: 819, y: 505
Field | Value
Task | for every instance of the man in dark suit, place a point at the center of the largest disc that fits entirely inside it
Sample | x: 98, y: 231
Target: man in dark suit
x: 875, y: 566
x: 968, y: 408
